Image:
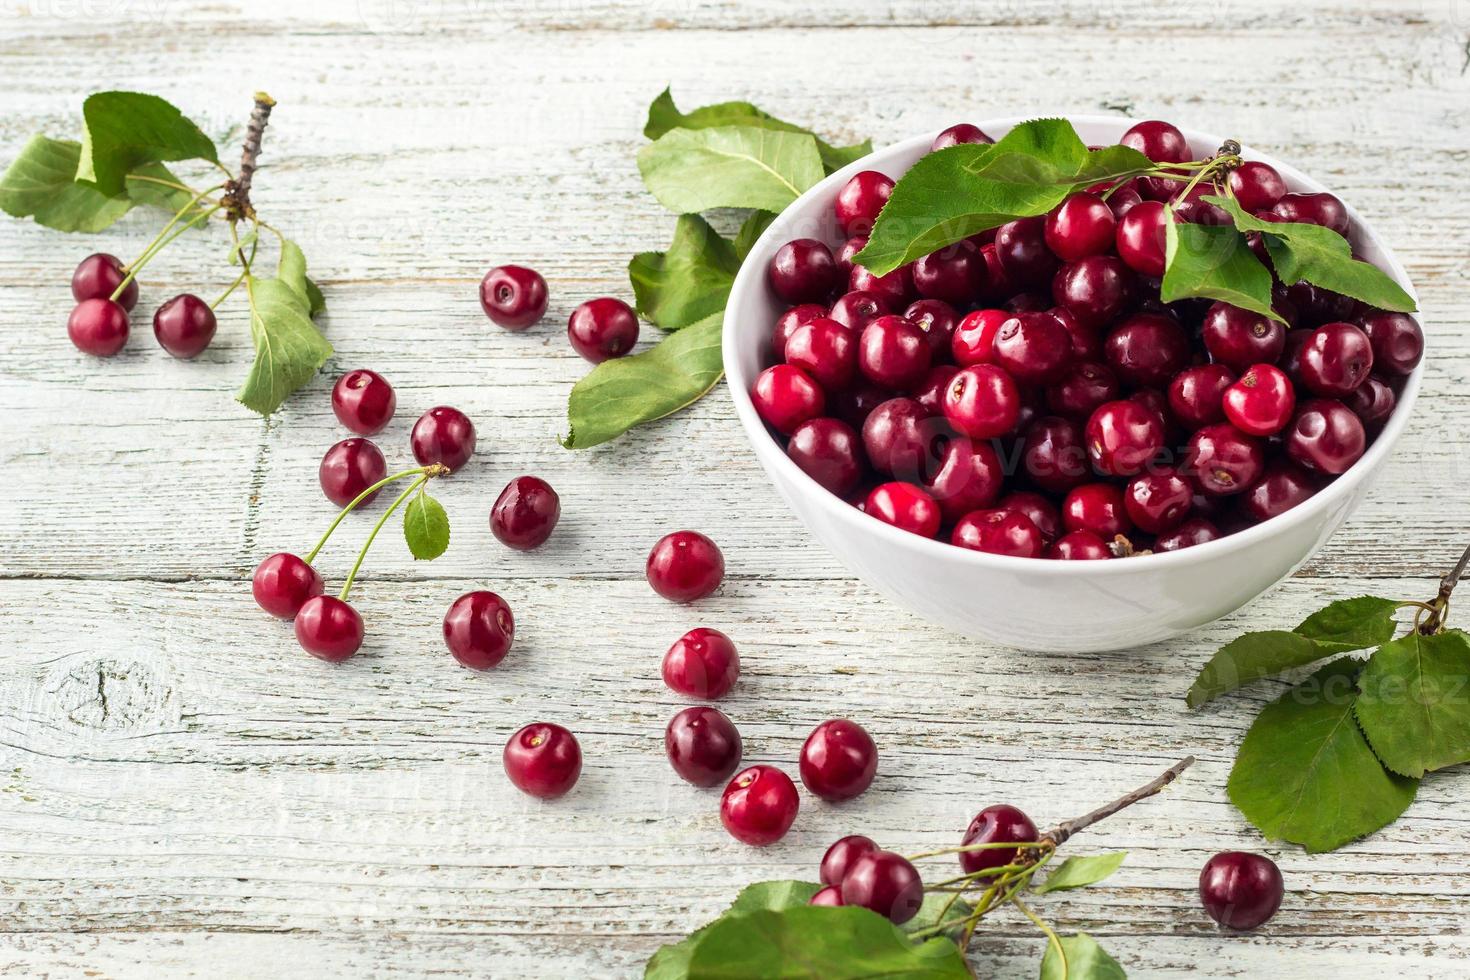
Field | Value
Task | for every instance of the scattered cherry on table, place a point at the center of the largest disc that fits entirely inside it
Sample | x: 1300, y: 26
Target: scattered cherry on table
x: 479, y: 629
x: 443, y: 435
x: 684, y: 566
x: 184, y: 326
x: 525, y: 513
x: 363, y: 401
x: 543, y: 760
x: 513, y: 296
x: 703, y: 745
x: 838, y: 760
x: 759, y: 805
x: 703, y: 663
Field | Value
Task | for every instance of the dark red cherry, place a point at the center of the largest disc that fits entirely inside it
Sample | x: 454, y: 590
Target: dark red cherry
x: 1000, y: 823
x: 968, y: 476
x: 957, y: 134
x: 1325, y: 436
x: 855, y: 310
x: 1196, y: 395
x: 938, y: 321
x: 1054, y: 454
x: 349, y: 468
x: 702, y: 663
x: 1079, y: 546
x: 885, y: 883
x: 841, y: 856
x: 184, y: 326
x: 1240, y: 890
x: 900, y: 438
x: 1195, y: 531
x: 1140, y: 238
x: 1096, y: 289
x: 1161, y: 142
x: 930, y: 391
x: 803, y: 271
x: 1021, y: 248
x: 826, y: 351
x: 828, y: 451
x: 543, y: 760
x: 363, y: 401
x: 1123, y: 437
x: 98, y: 276
x: 479, y: 629
x: 513, y: 296
x: 1158, y: 502
x: 1086, y: 341
x: 893, y: 352
x: 1336, y: 358
x: 1041, y: 511
x: 703, y: 745
x: 1397, y: 340
x: 860, y: 200
x: 603, y: 328
x: 443, y: 435
x: 328, y: 628
x: 845, y: 254
x: 1257, y: 186
x: 1239, y: 338
x: 1316, y: 305
x: 1033, y: 348
x: 525, y: 513
x: 1081, y: 389
x: 1372, y: 402
x: 999, y: 532
x: 1280, y: 488
x: 896, y: 287
x: 1314, y: 209
x: 1147, y: 349
x: 982, y: 401
x: 1223, y: 460
x: 838, y: 760
x: 955, y: 273
x: 787, y: 323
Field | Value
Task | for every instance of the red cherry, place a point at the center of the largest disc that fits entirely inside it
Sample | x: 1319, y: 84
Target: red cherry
x: 328, y: 628
x: 1096, y: 507
x: 1223, y: 460
x: 1080, y: 226
x: 838, y: 760
x: 513, y: 296
x: 1280, y: 488
x: 1000, y: 823
x: 831, y: 896
x: 955, y: 273
x: 841, y: 856
x: 786, y: 396
x: 1158, y: 502
x: 1147, y: 349
x: 1335, y: 360
x: 1054, y: 455
x: 98, y: 327
x: 893, y: 352
x: 525, y: 513
x: 759, y: 805
x: 1140, y: 238
x: 1397, y: 340
x: 803, y: 271
x: 1079, y: 546
x: 999, y: 532
x: 684, y: 566
x: 1039, y: 510
x: 974, y: 338
x: 860, y: 200
x: 363, y: 401
x: 702, y: 663
x: 1241, y: 890
x: 969, y: 476
x: 1261, y: 402
x: 1325, y: 436
x: 479, y: 629
x: 787, y: 323
x: 904, y: 506
x: 830, y: 452
x: 703, y: 745
x: 1194, y: 531
x: 184, y: 326
x: 1257, y: 186
x: 282, y: 583
x: 443, y: 435
x: 98, y: 276
x: 1122, y: 437
x: 885, y: 883
x: 1034, y: 348
x: 543, y: 760
x: 349, y: 468
x: 602, y: 328
x: 982, y: 402
x: 1196, y: 395
x: 856, y: 309
x: 826, y: 351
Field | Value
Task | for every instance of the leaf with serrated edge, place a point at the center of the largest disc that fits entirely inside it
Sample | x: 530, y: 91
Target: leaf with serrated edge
x: 693, y: 170
x: 1306, y: 774
x: 125, y: 130
x: 1251, y: 657
x: 1320, y: 256
x: 289, y: 349
x: 1351, y: 624
x: 1081, y: 871
x: 690, y: 281
x: 291, y: 270
x: 1415, y: 702
x: 41, y: 184
x: 1085, y: 960
x: 1213, y: 262
x: 672, y: 960
x: 425, y: 527
x: 627, y: 391
x: 664, y: 115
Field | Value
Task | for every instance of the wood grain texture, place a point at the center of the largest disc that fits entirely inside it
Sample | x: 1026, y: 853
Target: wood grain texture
x: 186, y: 794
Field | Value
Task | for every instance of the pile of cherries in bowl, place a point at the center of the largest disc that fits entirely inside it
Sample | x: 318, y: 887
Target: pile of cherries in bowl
x: 1026, y: 392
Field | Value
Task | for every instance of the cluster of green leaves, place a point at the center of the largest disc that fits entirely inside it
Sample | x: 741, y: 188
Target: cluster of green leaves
x: 1340, y: 754
x: 119, y: 164
x: 728, y: 155
x: 771, y: 931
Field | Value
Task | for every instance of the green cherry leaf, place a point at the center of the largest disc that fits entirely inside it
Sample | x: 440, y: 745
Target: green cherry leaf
x: 692, y: 170
x: 1085, y: 960
x: 125, y: 130
x: 690, y: 281
x: 1351, y: 624
x: 774, y: 895
x: 1213, y: 262
x: 41, y: 184
x: 1251, y: 657
x: 627, y: 391
x: 289, y: 349
x: 752, y: 229
x: 928, y: 916
x: 291, y: 270
x: 1415, y: 705
x: 1306, y: 774
x: 664, y: 115
x: 425, y: 527
x: 1079, y: 872
x: 1321, y: 256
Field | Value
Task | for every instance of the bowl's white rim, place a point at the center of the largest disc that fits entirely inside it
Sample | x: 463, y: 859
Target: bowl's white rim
x: 751, y: 277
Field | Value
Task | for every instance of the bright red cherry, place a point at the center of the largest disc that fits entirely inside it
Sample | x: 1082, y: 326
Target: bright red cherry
x: 1280, y: 488
x: 1335, y: 359
x: 830, y: 896
x: 525, y: 513
x: 974, y: 338
x: 1241, y: 890
x: 1033, y: 348
x: 838, y: 760
x: 363, y: 401
x: 602, y: 328
x: 328, y: 628
x: 184, y: 326
x: 282, y: 583
x: 98, y: 276
x: 999, y: 532
x: 513, y: 296
x: 858, y: 308
x: 803, y: 271
x: 349, y: 468
x: 1140, y: 238
x: 1080, y: 226
x: 1195, y: 531
x: 1397, y: 340
x: 860, y: 200
x: 1325, y: 436
x: 543, y: 760
x: 982, y: 402
x: 826, y: 350
x: 1079, y: 546
x: 1223, y: 460
x: 1161, y: 142
x: 1122, y: 437
x: 997, y: 824
x: 1261, y: 402
x: 893, y: 352
x: 1147, y: 349
x: 759, y: 805
x: 443, y: 435
x: 830, y: 452
x: 1257, y: 186
x: 886, y: 883
x: 479, y: 629
x: 785, y: 396
x: 787, y: 323
x: 1158, y: 502
x: 684, y: 566
x: 841, y: 856
x: 702, y: 663
x: 969, y: 476
x: 703, y: 745
x: 98, y: 327
x: 904, y: 506
x: 1096, y: 507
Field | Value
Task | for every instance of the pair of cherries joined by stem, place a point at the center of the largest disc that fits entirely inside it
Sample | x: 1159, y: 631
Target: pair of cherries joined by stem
x: 106, y: 292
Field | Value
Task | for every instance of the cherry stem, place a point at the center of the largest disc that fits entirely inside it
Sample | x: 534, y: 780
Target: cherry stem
x: 1041, y: 924
x: 433, y: 469
x: 1439, y: 606
x: 1059, y: 834
x: 430, y: 471
x: 244, y: 271
x: 160, y: 242
x: 237, y: 191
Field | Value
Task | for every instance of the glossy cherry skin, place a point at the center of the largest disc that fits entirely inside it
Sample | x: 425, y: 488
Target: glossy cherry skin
x: 957, y: 134
x: 1257, y: 186
x: 98, y: 327
x: 896, y: 288
x: 1280, y: 488
x: 602, y: 328
x: 1373, y: 402
x: 184, y: 326
x: 886, y: 883
x: 543, y: 760
x: 97, y: 277
x: 830, y: 896
x: 1158, y: 502
x: 1196, y: 395
x: 998, y: 286
x: 703, y: 745
x: 1240, y: 890
x: 803, y: 271
x: 443, y: 435
x: 1239, y: 338
x: 1021, y: 248
x: 1326, y: 436
x: 846, y: 253
x: 997, y: 824
x: 1161, y: 142
x: 525, y: 513
x: 904, y: 506
x: 479, y: 629
x: 826, y: 351
x: 955, y: 273
x: 363, y: 401
x: 1336, y: 358
x: 969, y: 476
x: 1095, y: 289
x: 1033, y: 348
x: 999, y: 532
x: 1082, y: 387
x: 938, y: 321
x: 982, y: 401
x: 1122, y: 437
x: 1140, y: 238
x: 840, y: 857
x: 703, y: 664
x: 1079, y: 546
x: 1147, y: 349
x: 787, y: 323
x: 1038, y: 509
x: 328, y: 628
x: 349, y: 468
x: 893, y: 352
x: 684, y: 566
x: 1223, y: 460
x: 974, y: 337
x: 282, y: 583
x: 838, y: 760
x: 513, y: 296
x: 1397, y: 341
x: 1313, y: 209
x: 860, y: 200
x: 1054, y: 455
x: 830, y: 452
x: 930, y: 391
x: 1080, y: 226
x: 858, y: 308
x: 854, y: 405
x: 901, y: 438
x: 1096, y: 507
x: 1261, y: 402
x: 1158, y: 403
x: 786, y: 396
x: 1195, y: 531
x: 759, y: 805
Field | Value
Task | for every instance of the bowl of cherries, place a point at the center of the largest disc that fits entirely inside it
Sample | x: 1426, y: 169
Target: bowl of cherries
x: 1018, y: 438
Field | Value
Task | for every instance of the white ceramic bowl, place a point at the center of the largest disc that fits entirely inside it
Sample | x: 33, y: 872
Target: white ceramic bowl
x: 1033, y: 603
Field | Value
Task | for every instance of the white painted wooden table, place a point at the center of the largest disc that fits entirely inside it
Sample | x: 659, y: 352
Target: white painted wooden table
x: 186, y: 793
